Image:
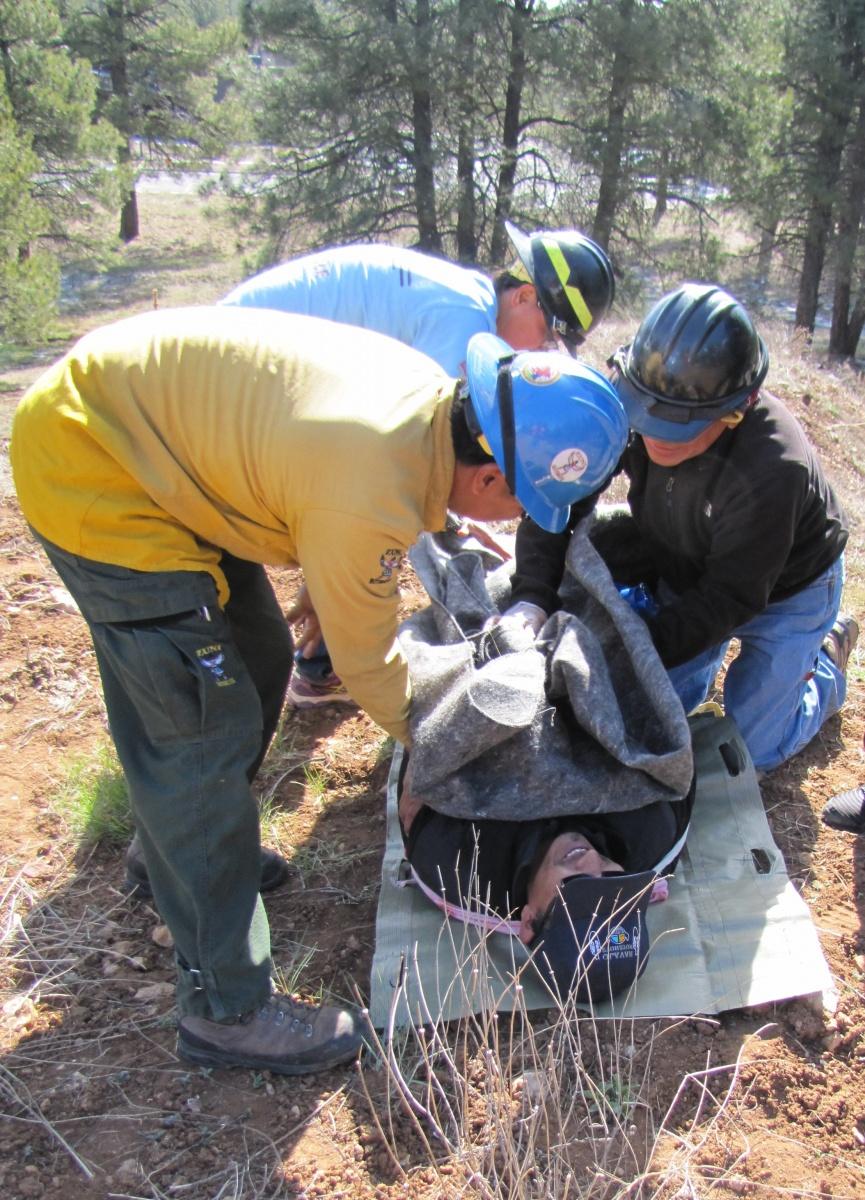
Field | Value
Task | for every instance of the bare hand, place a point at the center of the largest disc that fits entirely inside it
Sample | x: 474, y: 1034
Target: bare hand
x: 304, y: 616
x: 481, y: 534
x: 409, y: 805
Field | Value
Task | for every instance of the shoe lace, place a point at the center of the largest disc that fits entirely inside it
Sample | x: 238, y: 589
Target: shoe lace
x: 300, y: 1015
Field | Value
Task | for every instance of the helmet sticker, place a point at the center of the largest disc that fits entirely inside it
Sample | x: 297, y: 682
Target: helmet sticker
x: 540, y: 374
x: 569, y: 465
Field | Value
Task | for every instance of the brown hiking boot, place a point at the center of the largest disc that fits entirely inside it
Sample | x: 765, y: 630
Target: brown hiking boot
x: 840, y: 642
x: 290, y: 1037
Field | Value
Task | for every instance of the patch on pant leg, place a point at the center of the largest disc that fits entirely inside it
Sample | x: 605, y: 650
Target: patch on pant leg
x: 212, y: 658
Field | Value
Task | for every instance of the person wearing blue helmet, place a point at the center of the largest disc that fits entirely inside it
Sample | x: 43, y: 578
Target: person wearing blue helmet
x: 560, y: 286
x: 733, y: 530
x: 513, y: 392
x: 162, y: 463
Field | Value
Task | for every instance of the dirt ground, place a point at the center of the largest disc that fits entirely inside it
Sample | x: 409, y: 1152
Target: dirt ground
x: 94, y: 1101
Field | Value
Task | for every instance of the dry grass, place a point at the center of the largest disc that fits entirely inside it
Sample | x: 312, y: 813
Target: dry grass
x: 558, y: 1107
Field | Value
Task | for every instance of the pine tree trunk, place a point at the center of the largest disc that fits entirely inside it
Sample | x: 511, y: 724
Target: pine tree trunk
x: 129, y: 223
x: 467, y: 238
x: 520, y: 15
x: 429, y: 238
x: 837, y: 110
x: 764, y: 254
x: 817, y: 233
x: 843, y: 335
x: 617, y: 100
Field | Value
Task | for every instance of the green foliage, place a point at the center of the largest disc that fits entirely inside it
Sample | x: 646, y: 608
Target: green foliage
x: 367, y: 110
x: 94, y: 801
x: 55, y: 162
x: 161, y: 74
x: 599, y: 116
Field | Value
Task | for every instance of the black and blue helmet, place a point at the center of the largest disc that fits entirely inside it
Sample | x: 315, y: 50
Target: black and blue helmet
x: 695, y: 357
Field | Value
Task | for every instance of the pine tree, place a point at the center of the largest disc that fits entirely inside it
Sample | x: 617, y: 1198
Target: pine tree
x: 161, y: 90
x: 55, y: 161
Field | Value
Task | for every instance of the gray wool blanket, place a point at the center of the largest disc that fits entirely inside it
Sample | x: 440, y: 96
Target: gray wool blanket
x: 582, y: 719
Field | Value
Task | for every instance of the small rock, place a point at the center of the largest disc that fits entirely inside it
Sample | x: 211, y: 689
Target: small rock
x: 161, y: 935
x: 532, y: 1086
x: 128, y: 1170
x: 737, y: 1186
x: 63, y: 602
x: 154, y: 991
x: 19, y: 1006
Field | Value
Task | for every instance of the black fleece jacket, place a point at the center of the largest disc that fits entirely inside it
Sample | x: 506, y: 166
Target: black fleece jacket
x: 750, y: 521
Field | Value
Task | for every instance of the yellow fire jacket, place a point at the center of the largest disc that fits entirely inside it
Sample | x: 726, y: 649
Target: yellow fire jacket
x: 161, y: 440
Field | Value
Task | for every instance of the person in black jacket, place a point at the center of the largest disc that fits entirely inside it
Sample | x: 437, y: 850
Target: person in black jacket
x: 733, y: 529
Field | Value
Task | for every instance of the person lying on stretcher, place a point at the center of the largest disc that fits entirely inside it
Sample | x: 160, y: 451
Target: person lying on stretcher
x: 574, y: 889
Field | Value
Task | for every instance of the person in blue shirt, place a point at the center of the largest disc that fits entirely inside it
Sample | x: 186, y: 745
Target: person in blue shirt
x: 559, y: 288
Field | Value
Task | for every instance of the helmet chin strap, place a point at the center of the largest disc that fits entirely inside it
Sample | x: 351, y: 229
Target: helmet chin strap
x: 738, y: 414
x: 505, y: 396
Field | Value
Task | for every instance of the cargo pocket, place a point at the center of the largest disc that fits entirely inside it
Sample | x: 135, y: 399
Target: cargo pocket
x: 185, y: 677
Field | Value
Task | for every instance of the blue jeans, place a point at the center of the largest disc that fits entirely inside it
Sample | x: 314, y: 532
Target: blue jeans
x: 781, y: 686
x: 193, y: 693
x: 318, y: 668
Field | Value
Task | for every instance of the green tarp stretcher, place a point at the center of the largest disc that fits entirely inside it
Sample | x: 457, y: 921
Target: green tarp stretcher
x: 734, y: 931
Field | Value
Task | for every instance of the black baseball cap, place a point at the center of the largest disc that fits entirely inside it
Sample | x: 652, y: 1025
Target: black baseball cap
x: 592, y: 942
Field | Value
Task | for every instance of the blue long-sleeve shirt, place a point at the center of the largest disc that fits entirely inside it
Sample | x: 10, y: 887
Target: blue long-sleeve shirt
x: 430, y: 304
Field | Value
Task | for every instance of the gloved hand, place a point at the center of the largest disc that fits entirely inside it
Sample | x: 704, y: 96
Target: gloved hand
x: 522, y: 614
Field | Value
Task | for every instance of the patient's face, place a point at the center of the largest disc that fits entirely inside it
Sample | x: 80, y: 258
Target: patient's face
x: 568, y: 854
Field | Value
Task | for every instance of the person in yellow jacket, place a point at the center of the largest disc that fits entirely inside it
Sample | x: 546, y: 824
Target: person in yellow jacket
x: 167, y: 457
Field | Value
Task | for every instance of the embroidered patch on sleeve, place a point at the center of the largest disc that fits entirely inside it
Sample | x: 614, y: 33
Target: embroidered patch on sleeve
x: 390, y: 562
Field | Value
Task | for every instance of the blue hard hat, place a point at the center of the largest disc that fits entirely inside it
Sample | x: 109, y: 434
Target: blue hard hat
x: 555, y: 426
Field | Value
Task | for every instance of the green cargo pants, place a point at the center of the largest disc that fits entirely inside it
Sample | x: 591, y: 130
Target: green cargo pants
x: 193, y: 694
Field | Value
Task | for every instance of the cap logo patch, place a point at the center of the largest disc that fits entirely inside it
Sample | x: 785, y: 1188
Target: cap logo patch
x: 569, y: 465
x: 616, y: 944
x: 540, y: 374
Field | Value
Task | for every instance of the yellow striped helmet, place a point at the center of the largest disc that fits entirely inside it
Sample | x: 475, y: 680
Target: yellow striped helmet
x: 572, y: 275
